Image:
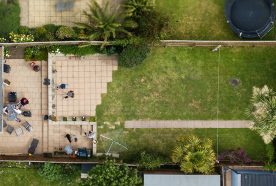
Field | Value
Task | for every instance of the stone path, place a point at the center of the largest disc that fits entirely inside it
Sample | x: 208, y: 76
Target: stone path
x: 187, y: 124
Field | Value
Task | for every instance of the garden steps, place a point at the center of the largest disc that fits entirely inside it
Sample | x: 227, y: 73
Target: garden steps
x: 187, y: 124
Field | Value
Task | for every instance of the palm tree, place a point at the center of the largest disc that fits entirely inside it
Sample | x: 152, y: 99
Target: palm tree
x: 105, y: 23
x: 194, y: 155
x: 136, y: 8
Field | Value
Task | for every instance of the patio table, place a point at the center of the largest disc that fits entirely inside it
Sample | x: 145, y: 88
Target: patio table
x: 12, y: 115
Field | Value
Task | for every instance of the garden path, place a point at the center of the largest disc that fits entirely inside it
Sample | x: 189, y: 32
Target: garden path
x: 187, y: 124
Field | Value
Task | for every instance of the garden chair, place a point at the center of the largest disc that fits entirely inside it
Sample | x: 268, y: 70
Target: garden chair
x: 19, y: 131
x: 27, y: 126
x: 33, y: 146
x: 10, y: 129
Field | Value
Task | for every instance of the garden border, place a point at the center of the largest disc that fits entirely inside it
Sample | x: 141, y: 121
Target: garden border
x: 171, y: 43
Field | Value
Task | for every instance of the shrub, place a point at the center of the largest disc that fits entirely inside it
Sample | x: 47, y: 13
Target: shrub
x: 194, y: 155
x: 24, y: 30
x: 149, y: 161
x: 133, y: 55
x: 10, y: 17
x: 51, y: 171
x: 262, y: 113
x: 111, y: 174
x: 270, y: 152
x: 74, y: 49
x: 17, y: 38
x: 238, y: 156
x: 40, y: 34
x: 270, y: 167
x: 65, y: 32
x: 35, y: 53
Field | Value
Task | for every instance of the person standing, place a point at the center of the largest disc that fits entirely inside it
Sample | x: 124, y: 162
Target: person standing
x: 70, y: 94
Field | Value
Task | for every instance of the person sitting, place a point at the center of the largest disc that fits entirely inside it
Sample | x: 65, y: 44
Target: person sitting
x: 5, y: 110
x: 62, y: 86
x: 70, y: 94
x: 23, y: 102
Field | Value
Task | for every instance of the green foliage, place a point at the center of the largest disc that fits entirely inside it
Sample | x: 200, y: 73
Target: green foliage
x: 18, y: 38
x: 64, y: 173
x: 24, y: 30
x: 40, y: 34
x: 262, y: 113
x: 106, y: 23
x: 51, y: 171
x: 270, y: 167
x: 75, y: 49
x: 133, y: 55
x: 92, y: 119
x: 111, y: 174
x: 136, y: 8
x: 270, y: 152
x: 65, y: 32
x: 150, y: 161
x: 10, y: 20
x: 194, y: 155
x: 36, y: 53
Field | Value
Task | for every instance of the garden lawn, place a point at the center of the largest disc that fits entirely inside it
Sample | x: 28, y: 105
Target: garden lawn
x: 10, y: 17
x: 24, y: 177
x: 182, y: 83
x: 195, y: 19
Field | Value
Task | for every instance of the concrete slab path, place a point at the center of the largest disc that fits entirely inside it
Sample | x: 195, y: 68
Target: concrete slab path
x: 187, y: 124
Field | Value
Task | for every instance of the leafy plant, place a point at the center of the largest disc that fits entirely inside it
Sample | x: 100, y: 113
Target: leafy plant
x: 35, y: 53
x: 270, y: 152
x: 133, y: 55
x: 40, y: 34
x: 194, y: 155
x: 150, y: 161
x: 106, y: 23
x: 136, y: 8
x: 75, y: 49
x: 238, y: 156
x: 51, y: 171
x: 17, y: 38
x: 65, y: 32
x: 111, y: 174
x: 262, y: 113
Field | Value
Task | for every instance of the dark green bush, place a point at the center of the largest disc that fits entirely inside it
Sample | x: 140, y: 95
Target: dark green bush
x: 270, y: 152
x: 65, y: 32
x: 151, y: 24
x: 76, y: 50
x: 51, y: 171
x: 24, y: 30
x: 40, y: 34
x: 9, y: 17
x: 133, y: 55
x: 36, y: 53
x: 150, y: 161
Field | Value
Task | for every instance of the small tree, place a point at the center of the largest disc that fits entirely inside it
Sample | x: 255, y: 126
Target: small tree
x: 111, y: 174
x: 262, y: 113
x: 194, y: 155
x: 150, y: 161
x: 136, y: 8
x: 106, y: 23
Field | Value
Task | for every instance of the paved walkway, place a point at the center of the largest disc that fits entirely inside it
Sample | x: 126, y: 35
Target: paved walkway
x: 187, y: 124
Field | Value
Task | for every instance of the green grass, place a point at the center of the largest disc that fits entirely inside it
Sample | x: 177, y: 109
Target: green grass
x: 190, y: 19
x: 182, y: 83
x: 10, y: 18
x: 24, y: 177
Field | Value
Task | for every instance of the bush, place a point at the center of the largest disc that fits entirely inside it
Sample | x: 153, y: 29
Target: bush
x: 24, y: 30
x: 40, y: 34
x: 151, y: 24
x: 51, y: 171
x: 65, y: 32
x: 111, y: 174
x: 17, y: 38
x: 238, y: 156
x: 133, y: 55
x: 36, y: 53
x: 149, y: 161
x: 270, y: 152
x: 10, y: 17
x: 75, y: 49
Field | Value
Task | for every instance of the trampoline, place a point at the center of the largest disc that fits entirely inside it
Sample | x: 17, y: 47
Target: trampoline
x: 250, y: 18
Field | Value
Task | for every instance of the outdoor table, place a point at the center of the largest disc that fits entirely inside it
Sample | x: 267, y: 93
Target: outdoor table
x: 12, y: 115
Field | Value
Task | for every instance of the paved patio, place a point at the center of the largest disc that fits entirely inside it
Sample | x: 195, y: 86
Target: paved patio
x: 36, y: 13
x: 87, y: 76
